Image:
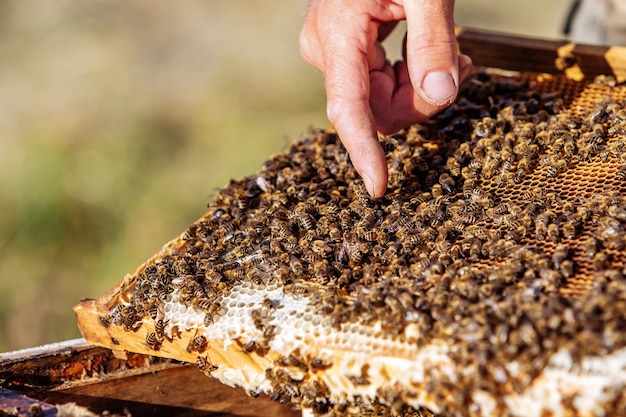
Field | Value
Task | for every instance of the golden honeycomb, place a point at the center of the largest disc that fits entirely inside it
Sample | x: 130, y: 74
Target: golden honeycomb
x: 488, y: 281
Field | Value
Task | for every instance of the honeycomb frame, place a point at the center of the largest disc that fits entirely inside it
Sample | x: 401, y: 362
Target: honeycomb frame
x: 488, y: 281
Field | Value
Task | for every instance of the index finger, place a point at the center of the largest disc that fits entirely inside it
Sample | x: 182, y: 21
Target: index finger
x: 347, y: 62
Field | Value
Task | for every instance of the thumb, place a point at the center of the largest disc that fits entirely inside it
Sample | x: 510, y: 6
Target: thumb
x: 431, y: 55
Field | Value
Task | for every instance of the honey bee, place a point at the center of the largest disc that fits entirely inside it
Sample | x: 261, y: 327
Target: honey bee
x: 447, y: 182
x: 34, y: 410
x: 321, y: 272
x: 249, y: 347
x: 259, y: 319
x: 541, y: 225
x: 478, y: 231
x: 609, y: 222
x: 590, y: 247
x: 290, y: 245
x: 204, y: 234
x: 355, y: 254
x: 212, y: 276
x: 604, y: 155
x: 345, y: 219
x: 290, y: 361
x: 154, y: 308
x: 213, y: 255
x: 454, y: 166
x: 193, y: 250
x: 600, y: 261
x: 310, y: 257
x: 268, y: 332
x: 150, y: 270
x: 617, y: 212
x: 153, y: 341
x: 517, y: 234
x: 296, y: 266
x: 214, y: 310
x: 382, y: 238
x: 205, y: 366
x: 334, y: 235
x: 197, y: 344
x: 159, y: 328
x: 234, y: 274
x: 130, y: 318
x: 321, y: 248
x: 318, y: 364
x: 226, y: 229
x: 305, y: 220
x: 268, y: 303
x: 561, y: 253
x: 469, y: 173
x: 492, y: 163
x: 106, y: 320
x: 567, y: 268
x: 553, y: 232
x: 437, y: 190
x: 360, y: 191
x: 569, y: 230
x: 180, y: 267
x: 555, y: 168
x: 475, y: 249
x: 569, y: 148
x: 202, y: 303
x: 283, y: 231
x: 366, y: 234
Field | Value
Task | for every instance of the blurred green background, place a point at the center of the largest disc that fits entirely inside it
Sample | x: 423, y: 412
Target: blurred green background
x: 119, y: 119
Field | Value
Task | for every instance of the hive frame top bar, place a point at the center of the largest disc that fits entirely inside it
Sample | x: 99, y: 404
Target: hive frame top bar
x: 577, y: 61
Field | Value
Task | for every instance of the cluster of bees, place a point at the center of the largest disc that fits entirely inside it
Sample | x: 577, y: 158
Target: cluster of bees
x: 34, y: 410
x: 502, y: 231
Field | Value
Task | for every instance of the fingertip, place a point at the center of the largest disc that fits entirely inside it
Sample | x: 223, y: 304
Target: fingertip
x: 370, y: 162
x: 354, y: 123
x: 376, y: 184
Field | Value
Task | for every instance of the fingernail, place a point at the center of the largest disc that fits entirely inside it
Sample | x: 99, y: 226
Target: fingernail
x: 439, y: 87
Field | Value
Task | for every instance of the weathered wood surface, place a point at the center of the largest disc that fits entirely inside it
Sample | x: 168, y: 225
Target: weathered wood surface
x: 12, y: 402
x: 89, y: 312
x: 577, y: 61
x: 94, y: 377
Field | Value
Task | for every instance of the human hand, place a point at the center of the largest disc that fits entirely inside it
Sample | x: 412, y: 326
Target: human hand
x: 365, y: 92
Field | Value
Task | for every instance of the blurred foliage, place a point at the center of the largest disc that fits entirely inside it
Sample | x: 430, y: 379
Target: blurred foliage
x: 119, y: 120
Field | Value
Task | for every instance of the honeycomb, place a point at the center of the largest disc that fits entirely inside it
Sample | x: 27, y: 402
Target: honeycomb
x: 488, y: 281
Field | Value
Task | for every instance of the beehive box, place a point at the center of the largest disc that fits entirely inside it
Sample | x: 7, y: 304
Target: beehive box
x: 487, y: 281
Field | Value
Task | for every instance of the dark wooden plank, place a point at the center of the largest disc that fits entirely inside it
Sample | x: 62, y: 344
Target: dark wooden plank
x: 74, y: 361
x: 498, y: 50
x: 95, y: 378
x: 577, y: 61
x: 13, y: 403
x: 592, y: 59
x: 181, y: 391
